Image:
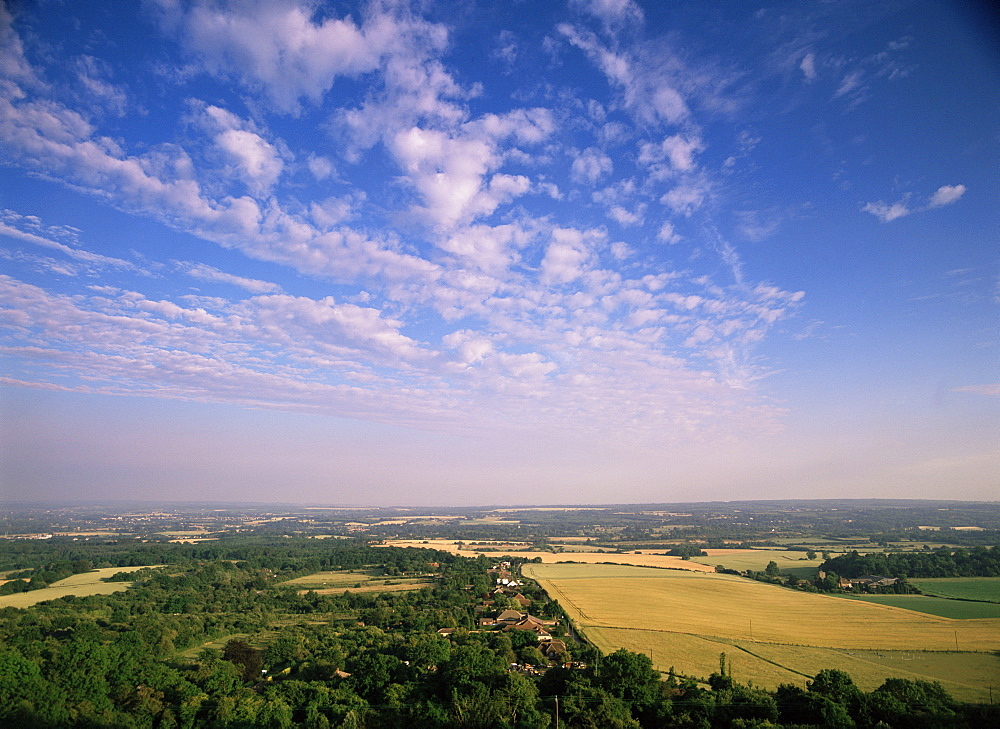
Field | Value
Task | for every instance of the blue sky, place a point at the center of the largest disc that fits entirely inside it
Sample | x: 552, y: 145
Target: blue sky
x: 478, y: 253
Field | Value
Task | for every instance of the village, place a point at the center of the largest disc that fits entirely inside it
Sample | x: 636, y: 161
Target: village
x: 507, y: 611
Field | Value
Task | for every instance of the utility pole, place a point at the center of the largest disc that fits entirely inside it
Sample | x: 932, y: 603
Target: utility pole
x: 557, y: 712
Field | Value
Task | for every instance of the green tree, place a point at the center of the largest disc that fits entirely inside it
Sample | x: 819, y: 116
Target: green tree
x: 245, y: 656
x: 630, y: 677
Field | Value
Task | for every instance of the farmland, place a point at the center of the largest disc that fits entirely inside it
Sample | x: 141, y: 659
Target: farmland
x: 81, y: 585
x: 942, y: 607
x: 642, y: 558
x: 371, y: 580
x: 771, y: 635
x: 789, y: 562
x: 986, y: 589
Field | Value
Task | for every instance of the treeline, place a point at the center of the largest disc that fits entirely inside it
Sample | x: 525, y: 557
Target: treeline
x: 35, y: 579
x: 943, y: 562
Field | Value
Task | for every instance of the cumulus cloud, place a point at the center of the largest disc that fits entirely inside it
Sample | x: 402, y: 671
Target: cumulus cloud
x: 886, y: 212
x: 946, y: 195
x: 590, y: 165
x: 667, y: 234
x: 281, y: 48
x: 678, y: 150
x: 686, y: 197
x: 565, y: 256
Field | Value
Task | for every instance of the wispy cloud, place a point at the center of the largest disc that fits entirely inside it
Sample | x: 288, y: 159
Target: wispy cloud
x: 209, y: 273
x: 991, y: 390
x: 945, y: 195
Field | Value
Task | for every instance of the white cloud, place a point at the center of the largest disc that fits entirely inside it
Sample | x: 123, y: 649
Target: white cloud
x: 320, y: 167
x: 209, y: 273
x: 613, y: 13
x: 887, y: 213
x: 946, y: 195
x: 490, y: 248
x: 667, y: 234
x: 463, y: 306
x: 626, y: 217
x: 565, y: 257
x: 256, y: 159
x: 13, y: 64
x: 686, y: 197
x: 808, y: 66
x: 850, y: 83
x: 44, y: 237
x: 91, y: 73
x: 648, y: 89
x: 678, y: 150
x: 591, y: 165
x: 281, y: 47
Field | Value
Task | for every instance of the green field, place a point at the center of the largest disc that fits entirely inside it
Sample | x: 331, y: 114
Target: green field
x: 789, y: 562
x: 371, y: 580
x: 986, y: 589
x: 771, y: 635
x: 943, y: 607
x: 81, y: 585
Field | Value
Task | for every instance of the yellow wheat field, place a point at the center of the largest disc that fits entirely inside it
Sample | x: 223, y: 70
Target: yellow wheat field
x: 643, y: 558
x: 771, y: 635
x: 81, y: 585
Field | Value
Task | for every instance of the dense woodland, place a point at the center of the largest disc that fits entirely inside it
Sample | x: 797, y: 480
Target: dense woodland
x: 136, y: 658
x: 941, y: 562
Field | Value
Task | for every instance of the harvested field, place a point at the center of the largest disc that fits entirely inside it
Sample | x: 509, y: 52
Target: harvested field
x: 771, y: 635
x: 380, y: 587
x: 81, y: 585
x: 789, y: 562
x: 373, y: 580
x: 632, y: 558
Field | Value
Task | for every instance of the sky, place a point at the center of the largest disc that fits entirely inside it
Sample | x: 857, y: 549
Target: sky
x: 470, y: 252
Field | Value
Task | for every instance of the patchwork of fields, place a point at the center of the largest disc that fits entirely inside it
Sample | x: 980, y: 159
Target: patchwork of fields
x: 641, y: 558
x: 771, y: 635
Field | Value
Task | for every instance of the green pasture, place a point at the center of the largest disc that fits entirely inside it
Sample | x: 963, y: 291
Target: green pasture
x: 986, y: 589
x: 942, y: 607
